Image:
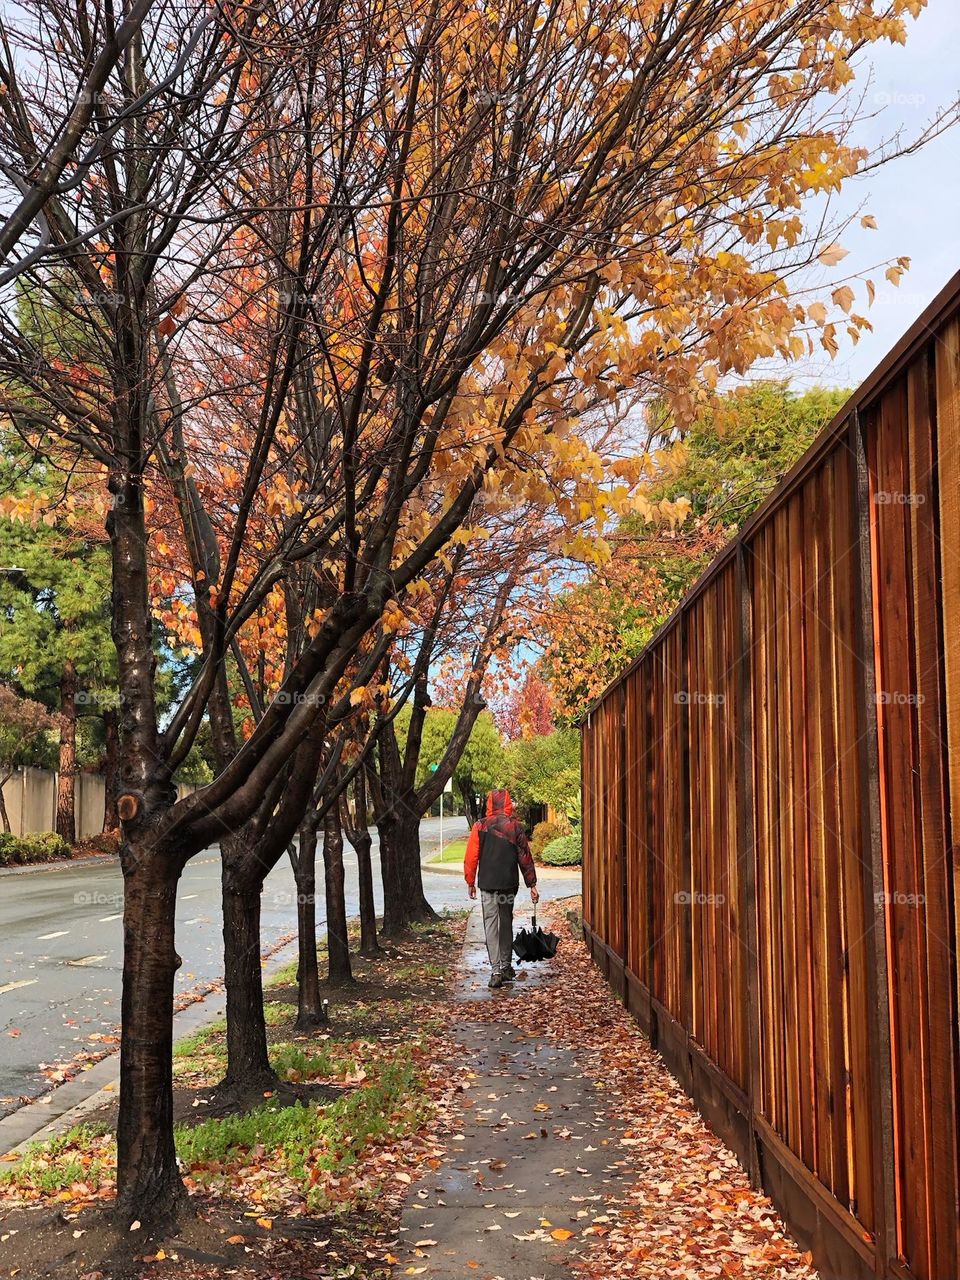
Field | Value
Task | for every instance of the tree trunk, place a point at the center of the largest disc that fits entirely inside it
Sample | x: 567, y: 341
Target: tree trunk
x: 311, y: 1013
x: 369, y: 946
x: 404, y: 902
x: 338, y: 942
x: 409, y: 869
x: 248, y: 1060
x: 473, y: 804
x: 356, y: 827
x: 394, y: 920
x: 148, y: 1183
x: 5, y: 817
x: 67, y: 781
x: 111, y: 771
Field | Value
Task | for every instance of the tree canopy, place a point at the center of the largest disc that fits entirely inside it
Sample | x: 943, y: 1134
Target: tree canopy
x: 737, y: 448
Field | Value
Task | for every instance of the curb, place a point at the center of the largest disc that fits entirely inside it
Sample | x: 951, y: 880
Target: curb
x: 445, y: 868
x: 543, y: 872
x: 61, y: 864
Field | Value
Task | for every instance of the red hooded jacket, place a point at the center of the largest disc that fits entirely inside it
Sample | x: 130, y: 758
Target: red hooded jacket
x: 498, y: 849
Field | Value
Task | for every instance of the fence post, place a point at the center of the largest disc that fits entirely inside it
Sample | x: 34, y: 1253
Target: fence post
x: 746, y: 852
x: 871, y: 858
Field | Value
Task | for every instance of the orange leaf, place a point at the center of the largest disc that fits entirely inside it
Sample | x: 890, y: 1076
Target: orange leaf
x: 561, y: 1233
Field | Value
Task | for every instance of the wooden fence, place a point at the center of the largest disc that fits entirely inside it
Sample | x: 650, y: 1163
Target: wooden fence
x: 771, y: 818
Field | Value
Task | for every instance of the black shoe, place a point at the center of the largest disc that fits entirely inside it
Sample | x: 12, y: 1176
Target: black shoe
x: 509, y: 975
x: 496, y: 980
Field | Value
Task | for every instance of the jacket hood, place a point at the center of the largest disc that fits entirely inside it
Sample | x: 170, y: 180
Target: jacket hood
x: 499, y: 802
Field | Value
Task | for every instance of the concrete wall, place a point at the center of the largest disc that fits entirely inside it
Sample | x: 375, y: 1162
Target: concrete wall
x: 31, y: 801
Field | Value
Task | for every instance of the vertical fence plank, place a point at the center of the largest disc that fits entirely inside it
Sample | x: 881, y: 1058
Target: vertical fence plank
x: 746, y: 845
x: 884, y: 1196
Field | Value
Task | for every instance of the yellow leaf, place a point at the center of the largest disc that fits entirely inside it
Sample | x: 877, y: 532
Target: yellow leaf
x: 357, y: 696
x: 833, y: 254
x: 561, y: 1233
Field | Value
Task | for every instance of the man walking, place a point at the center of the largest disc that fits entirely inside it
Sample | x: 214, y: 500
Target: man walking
x: 497, y: 852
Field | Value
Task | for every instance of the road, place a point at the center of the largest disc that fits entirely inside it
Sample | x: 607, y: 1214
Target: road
x: 62, y: 949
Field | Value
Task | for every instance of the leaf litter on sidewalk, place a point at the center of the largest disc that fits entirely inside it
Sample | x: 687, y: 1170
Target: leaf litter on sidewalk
x: 671, y: 1201
x: 686, y: 1210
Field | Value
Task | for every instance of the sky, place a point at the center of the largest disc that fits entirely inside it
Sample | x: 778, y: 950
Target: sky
x: 915, y: 199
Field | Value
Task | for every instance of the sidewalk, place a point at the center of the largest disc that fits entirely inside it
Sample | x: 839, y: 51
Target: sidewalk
x: 578, y: 1150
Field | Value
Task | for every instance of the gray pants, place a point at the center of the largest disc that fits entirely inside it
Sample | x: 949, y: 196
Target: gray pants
x: 497, y: 911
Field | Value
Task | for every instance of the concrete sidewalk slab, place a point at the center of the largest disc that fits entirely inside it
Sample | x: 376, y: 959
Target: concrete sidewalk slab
x: 538, y: 1153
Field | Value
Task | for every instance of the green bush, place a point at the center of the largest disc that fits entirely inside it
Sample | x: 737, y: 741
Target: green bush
x: 543, y: 833
x: 20, y: 850
x: 565, y: 851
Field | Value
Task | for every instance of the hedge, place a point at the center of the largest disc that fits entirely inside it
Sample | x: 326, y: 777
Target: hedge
x: 20, y: 850
x: 544, y: 833
x: 565, y: 851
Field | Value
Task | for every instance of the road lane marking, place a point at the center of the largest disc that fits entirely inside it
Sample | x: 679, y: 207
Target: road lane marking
x: 104, y: 919
x: 85, y: 960
x: 12, y: 986
x: 45, y: 937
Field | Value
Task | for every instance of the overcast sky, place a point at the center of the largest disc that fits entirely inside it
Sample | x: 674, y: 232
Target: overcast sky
x: 915, y: 200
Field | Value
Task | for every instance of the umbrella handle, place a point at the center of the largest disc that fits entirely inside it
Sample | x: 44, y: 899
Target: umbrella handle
x: 534, y: 918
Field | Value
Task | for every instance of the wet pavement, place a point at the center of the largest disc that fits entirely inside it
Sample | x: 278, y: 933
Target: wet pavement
x: 536, y: 1160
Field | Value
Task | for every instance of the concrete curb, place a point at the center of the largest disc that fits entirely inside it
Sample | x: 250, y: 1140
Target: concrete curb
x: 61, y: 864
x: 543, y: 873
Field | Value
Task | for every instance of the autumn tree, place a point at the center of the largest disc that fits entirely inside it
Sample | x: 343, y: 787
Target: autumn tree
x: 525, y: 709
x: 453, y: 231
x: 720, y: 468
x: 478, y: 611
x: 79, y: 128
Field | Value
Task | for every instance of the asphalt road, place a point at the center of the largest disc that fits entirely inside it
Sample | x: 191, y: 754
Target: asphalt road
x: 61, y: 949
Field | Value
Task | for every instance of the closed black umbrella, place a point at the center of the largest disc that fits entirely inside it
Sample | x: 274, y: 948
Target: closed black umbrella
x: 533, y: 944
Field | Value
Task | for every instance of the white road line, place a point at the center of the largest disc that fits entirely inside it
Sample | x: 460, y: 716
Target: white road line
x: 45, y: 937
x: 104, y: 919
x: 187, y: 896
x: 85, y: 960
x: 12, y: 986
